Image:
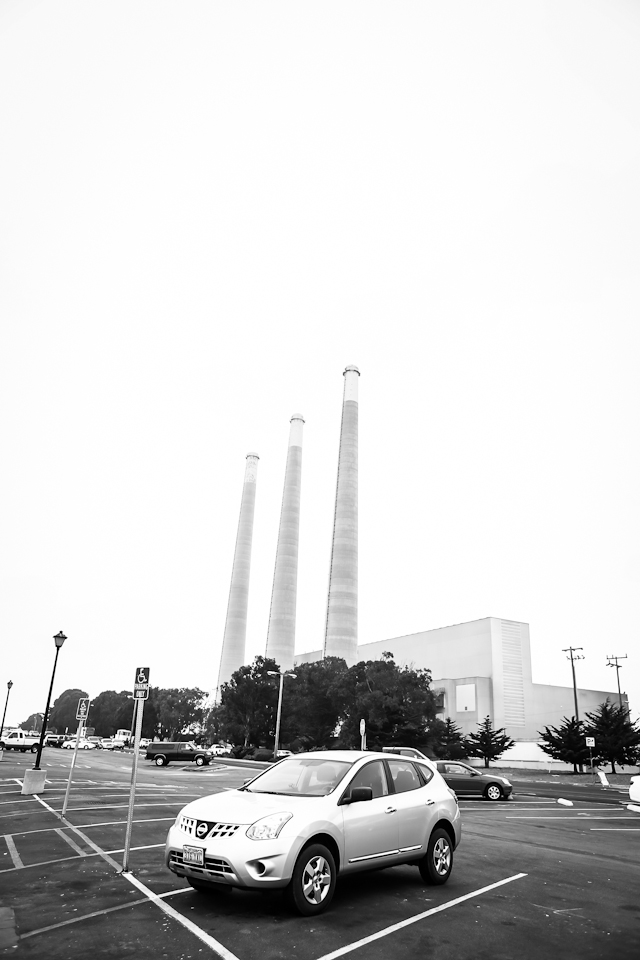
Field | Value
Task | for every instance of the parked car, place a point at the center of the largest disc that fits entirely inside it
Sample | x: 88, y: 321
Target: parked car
x: 109, y: 743
x: 634, y: 789
x: 54, y: 740
x: 468, y: 781
x: 218, y: 749
x: 82, y: 745
x: 406, y: 752
x: 144, y: 743
x: 20, y: 740
x: 163, y: 753
x: 96, y: 741
x: 303, y: 822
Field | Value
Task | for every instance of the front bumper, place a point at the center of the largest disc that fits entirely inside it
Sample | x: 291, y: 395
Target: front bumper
x: 236, y: 861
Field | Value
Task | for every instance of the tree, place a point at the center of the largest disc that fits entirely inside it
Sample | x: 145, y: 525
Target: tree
x: 248, y: 702
x: 179, y: 710
x: 62, y: 717
x: 33, y: 722
x: 617, y: 737
x: 487, y: 742
x: 566, y: 742
x: 313, y: 704
x: 395, y: 702
x: 108, y: 709
x: 450, y: 744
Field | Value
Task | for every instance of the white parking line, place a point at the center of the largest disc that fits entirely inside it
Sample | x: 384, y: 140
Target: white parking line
x: 71, y: 842
x: 421, y: 916
x: 572, y: 816
x: 615, y: 829
x: 15, y: 856
x: 100, y: 913
x: 192, y: 927
x: 90, y: 843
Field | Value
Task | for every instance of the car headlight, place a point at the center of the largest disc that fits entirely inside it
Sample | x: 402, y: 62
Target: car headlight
x: 504, y: 780
x: 268, y: 828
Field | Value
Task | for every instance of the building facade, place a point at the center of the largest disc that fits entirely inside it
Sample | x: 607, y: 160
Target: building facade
x: 483, y: 668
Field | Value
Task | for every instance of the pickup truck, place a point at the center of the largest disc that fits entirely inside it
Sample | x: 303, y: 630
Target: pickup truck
x: 19, y: 740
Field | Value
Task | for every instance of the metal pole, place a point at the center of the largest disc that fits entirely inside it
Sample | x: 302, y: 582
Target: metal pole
x: 275, y: 749
x: 9, y: 685
x: 45, y: 719
x: 73, y: 763
x: 132, y: 795
x: 575, y: 690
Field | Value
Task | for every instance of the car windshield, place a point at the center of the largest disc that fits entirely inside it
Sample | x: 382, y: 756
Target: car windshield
x: 301, y: 777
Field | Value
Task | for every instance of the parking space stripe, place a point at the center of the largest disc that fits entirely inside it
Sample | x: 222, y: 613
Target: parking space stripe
x: 90, y: 843
x: 100, y: 913
x: 421, y: 916
x: 71, y: 842
x: 15, y: 856
x: 192, y: 927
x: 615, y: 829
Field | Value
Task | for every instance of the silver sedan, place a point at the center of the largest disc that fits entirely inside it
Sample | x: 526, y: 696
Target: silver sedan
x: 311, y: 817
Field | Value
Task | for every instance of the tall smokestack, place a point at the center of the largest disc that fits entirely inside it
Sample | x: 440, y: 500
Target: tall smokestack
x: 341, y: 632
x: 235, y: 630
x: 281, y: 636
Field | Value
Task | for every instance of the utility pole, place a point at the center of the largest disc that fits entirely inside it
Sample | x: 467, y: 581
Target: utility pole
x: 613, y: 662
x: 573, y: 655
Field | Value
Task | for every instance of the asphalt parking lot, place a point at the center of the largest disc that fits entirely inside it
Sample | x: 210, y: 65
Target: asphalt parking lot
x: 531, y: 878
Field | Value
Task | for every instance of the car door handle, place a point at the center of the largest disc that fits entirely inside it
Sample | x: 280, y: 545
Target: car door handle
x: 390, y: 810
x: 430, y: 802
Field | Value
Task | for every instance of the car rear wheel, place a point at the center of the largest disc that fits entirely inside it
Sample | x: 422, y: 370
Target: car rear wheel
x: 436, y: 866
x: 160, y: 761
x: 313, y: 881
x: 34, y: 748
x: 493, y: 792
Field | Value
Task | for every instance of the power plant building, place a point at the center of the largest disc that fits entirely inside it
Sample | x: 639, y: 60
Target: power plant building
x: 281, y: 634
x: 235, y: 630
x: 341, y: 628
x: 483, y: 668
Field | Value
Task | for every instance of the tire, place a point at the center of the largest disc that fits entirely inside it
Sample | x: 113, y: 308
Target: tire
x: 313, y: 881
x: 435, y: 867
x: 34, y: 748
x: 200, y: 761
x: 493, y: 792
x: 160, y: 761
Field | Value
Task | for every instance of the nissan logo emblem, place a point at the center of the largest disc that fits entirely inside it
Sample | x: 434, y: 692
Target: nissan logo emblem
x: 202, y: 829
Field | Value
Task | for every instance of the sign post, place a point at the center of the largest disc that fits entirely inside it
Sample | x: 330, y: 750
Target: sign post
x: 363, y: 735
x: 591, y: 742
x: 140, y: 694
x: 82, y: 712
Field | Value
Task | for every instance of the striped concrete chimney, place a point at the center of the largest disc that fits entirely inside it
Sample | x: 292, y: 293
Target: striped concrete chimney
x: 341, y: 631
x: 281, y: 636
x: 235, y: 630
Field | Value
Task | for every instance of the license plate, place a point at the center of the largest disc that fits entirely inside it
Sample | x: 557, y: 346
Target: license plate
x: 193, y: 855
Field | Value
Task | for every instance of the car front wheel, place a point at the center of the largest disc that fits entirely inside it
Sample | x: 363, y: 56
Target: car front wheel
x: 34, y: 748
x: 493, y: 792
x: 313, y: 881
x: 436, y: 866
x: 199, y: 761
x: 160, y: 761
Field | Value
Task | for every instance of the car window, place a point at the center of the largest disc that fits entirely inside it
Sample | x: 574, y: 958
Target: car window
x: 404, y: 775
x: 307, y: 777
x: 458, y: 770
x: 372, y: 775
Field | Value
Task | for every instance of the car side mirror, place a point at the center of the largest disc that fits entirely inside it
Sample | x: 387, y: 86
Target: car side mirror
x: 359, y: 794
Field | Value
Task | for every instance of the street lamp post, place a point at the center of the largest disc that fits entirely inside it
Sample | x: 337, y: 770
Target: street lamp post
x: 9, y: 685
x: 59, y: 639
x: 282, y: 674
x: 574, y: 656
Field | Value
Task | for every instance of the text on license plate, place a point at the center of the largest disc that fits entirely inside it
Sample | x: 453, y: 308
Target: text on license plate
x: 193, y: 855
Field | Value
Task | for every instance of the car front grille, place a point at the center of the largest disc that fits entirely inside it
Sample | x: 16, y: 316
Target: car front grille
x: 213, y: 866
x: 207, y: 829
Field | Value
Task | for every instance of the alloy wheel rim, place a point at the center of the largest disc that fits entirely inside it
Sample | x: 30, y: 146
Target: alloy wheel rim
x: 441, y: 856
x: 316, y: 880
x: 494, y: 792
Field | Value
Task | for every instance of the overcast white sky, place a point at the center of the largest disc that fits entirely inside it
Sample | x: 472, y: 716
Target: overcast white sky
x: 207, y: 210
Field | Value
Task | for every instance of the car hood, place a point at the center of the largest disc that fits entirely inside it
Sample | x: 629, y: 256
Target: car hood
x: 240, y: 806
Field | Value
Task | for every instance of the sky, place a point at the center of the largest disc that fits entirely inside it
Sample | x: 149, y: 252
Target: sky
x: 208, y: 210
